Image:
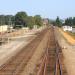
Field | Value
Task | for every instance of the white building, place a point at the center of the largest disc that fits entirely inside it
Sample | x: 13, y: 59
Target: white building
x: 3, y: 28
x: 67, y: 28
x: 73, y: 30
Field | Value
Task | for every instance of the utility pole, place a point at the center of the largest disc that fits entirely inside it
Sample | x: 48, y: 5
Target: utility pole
x: 1, y: 35
x: 9, y: 28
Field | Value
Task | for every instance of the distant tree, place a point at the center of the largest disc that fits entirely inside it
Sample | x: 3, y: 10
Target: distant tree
x: 49, y: 21
x: 69, y: 21
x: 58, y: 22
x: 13, y: 20
x: 9, y: 19
x: 20, y: 18
x: 66, y: 21
x: 6, y: 19
x: 38, y: 20
x: 52, y: 22
x: 74, y: 21
x: 30, y: 22
x: 2, y: 19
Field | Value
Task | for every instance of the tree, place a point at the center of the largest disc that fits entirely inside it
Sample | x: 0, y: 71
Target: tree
x: 58, y: 22
x: 74, y: 21
x: 9, y: 19
x: 38, y: 20
x: 2, y: 19
x: 6, y: 19
x: 20, y: 18
x: 30, y: 22
x: 69, y: 21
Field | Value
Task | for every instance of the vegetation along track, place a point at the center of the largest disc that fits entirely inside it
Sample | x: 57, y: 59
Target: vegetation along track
x: 16, y: 64
x: 52, y: 61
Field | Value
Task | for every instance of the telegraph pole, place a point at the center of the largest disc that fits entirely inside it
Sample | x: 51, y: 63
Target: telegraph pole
x: 9, y: 28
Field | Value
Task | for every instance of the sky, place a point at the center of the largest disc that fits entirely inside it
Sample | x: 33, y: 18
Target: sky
x: 46, y: 8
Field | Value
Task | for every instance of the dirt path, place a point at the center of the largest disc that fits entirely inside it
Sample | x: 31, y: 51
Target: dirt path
x: 10, y: 49
x: 68, y: 37
x: 30, y: 68
x: 16, y: 64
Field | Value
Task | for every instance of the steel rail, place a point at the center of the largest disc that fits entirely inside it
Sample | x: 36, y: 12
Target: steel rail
x: 58, y: 65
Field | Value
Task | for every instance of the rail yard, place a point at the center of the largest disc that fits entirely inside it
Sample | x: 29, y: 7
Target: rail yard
x: 37, y: 37
x: 42, y: 56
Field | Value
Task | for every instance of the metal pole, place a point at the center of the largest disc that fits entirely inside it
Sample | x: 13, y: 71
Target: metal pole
x: 1, y: 33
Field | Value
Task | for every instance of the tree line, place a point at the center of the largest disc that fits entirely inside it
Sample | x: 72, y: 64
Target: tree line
x: 68, y: 21
x: 21, y: 19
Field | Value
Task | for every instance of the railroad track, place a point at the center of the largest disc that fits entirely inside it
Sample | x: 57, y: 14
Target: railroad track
x: 17, y: 63
x: 52, y: 63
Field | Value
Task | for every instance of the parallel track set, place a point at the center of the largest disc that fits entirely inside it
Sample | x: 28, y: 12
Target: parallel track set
x: 52, y: 61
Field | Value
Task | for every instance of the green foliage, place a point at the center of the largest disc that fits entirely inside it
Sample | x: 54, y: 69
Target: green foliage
x: 30, y: 22
x: 74, y: 21
x: 6, y: 20
x: 69, y: 21
x: 58, y: 22
x: 38, y: 20
x: 20, y: 18
x: 2, y: 19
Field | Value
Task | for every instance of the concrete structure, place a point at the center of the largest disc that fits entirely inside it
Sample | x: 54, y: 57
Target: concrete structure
x: 45, y: 21
x: 3, y: 28
x: 67, y: 28
x: 35, y: 27
x: 73, y: 30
